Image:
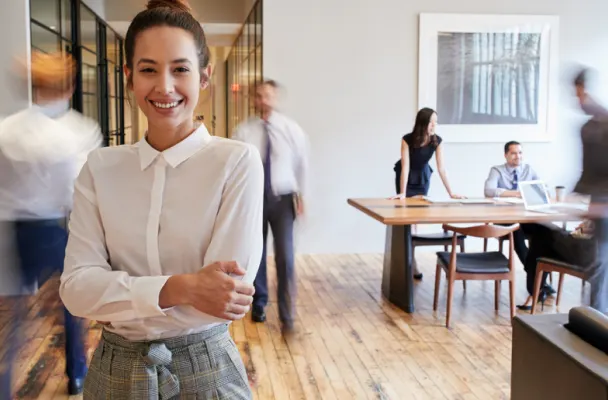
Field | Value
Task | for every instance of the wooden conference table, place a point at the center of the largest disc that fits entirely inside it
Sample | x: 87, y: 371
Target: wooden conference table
x: 399, y: 215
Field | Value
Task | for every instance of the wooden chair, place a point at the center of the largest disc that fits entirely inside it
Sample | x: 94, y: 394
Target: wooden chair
x: 501, y: 242
x: 487, y: 266
x: 436, y: 239
x: 503, y: 239
x: 549, y: 265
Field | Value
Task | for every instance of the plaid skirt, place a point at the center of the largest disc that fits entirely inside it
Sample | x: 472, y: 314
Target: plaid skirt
x: 205, y: 365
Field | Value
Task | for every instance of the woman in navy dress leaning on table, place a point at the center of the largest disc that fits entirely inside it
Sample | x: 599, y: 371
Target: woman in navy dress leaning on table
x: 412, y: 171
x: 417, y: 149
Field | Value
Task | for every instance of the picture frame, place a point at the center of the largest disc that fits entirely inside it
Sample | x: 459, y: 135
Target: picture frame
x: 491, y: 78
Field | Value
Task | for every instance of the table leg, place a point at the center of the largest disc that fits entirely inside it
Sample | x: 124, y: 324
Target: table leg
x: 397, y: 278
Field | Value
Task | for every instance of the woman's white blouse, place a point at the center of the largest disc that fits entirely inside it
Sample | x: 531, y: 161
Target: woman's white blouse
x: 141, y: 216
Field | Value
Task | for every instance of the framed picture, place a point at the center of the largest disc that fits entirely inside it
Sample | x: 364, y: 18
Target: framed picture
x: 491, y: 78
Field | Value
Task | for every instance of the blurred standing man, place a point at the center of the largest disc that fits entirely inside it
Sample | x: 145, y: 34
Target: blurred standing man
x: 594, y: 182
x: 42, y: 150
x: 283, y: 148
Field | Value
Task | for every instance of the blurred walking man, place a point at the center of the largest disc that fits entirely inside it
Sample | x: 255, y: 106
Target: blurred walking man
x: 283, y: 148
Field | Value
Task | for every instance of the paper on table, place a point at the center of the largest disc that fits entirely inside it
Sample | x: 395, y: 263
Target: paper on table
x: 446, y: 200
x: 477, y: 201
x: 512, y: 200
x: 459, y: 201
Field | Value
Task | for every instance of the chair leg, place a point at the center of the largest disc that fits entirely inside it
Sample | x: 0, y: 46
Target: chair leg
x: 485, y: 245
x: 464, y: 283
x: 537, y: 280
x: 446, y: 248
x: 500, y: 243
x: 450, y: 295
x: 559, y: 288
x: 512, y: 297
x: 437, y: 283
x: 496, y: 294
x: 551, y: 278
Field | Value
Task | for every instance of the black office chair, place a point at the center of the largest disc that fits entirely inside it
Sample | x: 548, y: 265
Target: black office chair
x: 436, y: 239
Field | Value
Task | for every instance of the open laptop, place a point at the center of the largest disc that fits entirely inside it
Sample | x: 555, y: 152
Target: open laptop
x: 536, y: 198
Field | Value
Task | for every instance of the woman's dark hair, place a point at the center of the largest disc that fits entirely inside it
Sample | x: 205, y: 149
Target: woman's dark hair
x: 421, y: 127
x: 173, y: 13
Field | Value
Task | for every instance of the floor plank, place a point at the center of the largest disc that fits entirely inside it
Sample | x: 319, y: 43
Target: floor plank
x: 349, y: 342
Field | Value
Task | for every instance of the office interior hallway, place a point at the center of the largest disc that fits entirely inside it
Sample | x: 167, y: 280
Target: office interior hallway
x: 350, y: 342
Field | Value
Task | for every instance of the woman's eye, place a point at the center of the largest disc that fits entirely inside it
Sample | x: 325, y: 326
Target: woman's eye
x: 146, y: 70
x: 181, y: 70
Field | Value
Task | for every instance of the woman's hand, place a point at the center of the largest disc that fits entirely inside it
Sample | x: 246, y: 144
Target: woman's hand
x: 457, y: 196
x: 397, y: 197
x: 211, y: 290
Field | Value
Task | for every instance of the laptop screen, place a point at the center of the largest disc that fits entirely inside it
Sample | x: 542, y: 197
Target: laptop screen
x: 534, y: 193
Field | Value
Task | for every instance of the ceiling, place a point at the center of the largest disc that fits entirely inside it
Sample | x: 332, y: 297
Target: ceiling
x: 207, y: 11
x: 221, y: 19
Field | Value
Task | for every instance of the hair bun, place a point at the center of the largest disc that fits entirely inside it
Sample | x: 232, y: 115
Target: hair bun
x: 179, y: 5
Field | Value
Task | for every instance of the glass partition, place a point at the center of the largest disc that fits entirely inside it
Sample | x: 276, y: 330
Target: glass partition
x: 244, y: 70
x: 100, y: 88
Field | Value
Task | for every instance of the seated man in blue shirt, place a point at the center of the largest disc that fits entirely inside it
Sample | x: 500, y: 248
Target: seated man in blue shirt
x: 503, y: 181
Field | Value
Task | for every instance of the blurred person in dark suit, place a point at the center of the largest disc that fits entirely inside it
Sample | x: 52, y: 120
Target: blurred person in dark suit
x: 42, y: 150
x: 547, y: 240
x: 594, y: 182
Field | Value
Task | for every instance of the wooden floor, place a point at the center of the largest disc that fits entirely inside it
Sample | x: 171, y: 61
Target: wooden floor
x: 350, y: 342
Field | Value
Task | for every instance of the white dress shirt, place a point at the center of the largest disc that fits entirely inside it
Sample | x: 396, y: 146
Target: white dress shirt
x: 502, y: 178
x: 42, y: 150
x: 141, y: 216
x: 289, y: 154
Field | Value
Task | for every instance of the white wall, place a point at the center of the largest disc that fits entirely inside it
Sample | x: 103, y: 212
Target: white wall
x: 98, y: 7
x: 14, y: 23
x: 350, y: 71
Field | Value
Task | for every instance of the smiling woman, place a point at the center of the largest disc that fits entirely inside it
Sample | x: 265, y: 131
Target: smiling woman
x: 169, y: 267
x: 167, y: 69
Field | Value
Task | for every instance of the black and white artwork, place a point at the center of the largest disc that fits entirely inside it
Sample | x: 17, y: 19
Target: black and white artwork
x: 491, y: 78
x: 488, y: 78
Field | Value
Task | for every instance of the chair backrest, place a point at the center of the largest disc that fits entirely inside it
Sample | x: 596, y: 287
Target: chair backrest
x: 483, y: 231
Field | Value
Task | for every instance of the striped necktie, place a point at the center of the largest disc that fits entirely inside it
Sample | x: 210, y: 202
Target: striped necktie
x: 515, y: 180
x: 267, y: 165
